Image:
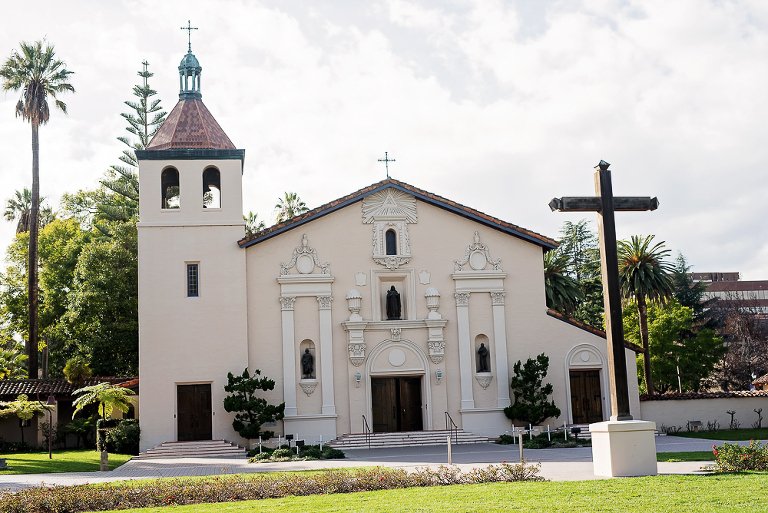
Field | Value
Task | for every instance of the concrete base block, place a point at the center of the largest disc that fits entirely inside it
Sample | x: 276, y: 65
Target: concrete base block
x: 624, y: 448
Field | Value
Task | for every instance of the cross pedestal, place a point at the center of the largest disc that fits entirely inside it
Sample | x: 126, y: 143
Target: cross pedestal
x: 621, y: 446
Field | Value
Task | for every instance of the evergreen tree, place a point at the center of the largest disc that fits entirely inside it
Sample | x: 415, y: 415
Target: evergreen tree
x: 580, y: 244
x: 123, y: 181
x: 251, y: 411
x: 531, y: 405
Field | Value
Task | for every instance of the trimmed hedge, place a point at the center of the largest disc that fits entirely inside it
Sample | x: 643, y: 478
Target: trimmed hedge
x: 240, y: 487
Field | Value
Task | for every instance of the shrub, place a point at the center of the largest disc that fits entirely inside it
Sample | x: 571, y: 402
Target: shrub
x: 311, y: 451
x: 506, y: 440
x: 329, y: 453
x: 59, y: 434
x: 737, y: 458
x: 282, y: 453
x: 124, y: 438
x: 166, y: 492
x: 263, y: 456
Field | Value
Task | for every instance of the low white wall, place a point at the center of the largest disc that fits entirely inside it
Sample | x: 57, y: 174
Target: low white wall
x: 677, y: 412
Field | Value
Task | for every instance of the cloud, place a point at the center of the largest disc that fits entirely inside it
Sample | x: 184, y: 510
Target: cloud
x: 498, y: 105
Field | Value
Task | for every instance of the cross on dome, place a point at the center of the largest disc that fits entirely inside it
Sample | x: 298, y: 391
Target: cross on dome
x: 189, y: 70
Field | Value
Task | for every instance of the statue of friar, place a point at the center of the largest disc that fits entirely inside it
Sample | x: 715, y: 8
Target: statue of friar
x: 307, y: 364
x: 393, y: 304
x: 483, y: 360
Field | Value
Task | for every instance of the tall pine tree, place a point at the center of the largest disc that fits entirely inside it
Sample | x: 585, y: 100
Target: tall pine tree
x: 122, y: 180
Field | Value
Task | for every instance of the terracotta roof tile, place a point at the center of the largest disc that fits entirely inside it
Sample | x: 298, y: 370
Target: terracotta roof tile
x: 190, y: 125
x: 703, y: 395
x: 439, y: 201
x: 762, y: 380
x: 11, y: 388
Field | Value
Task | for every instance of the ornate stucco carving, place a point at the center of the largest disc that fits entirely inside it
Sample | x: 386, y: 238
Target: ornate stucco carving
x: 286, y: 302
x: 462, y: 298
x: 484, y: 379
x: 390, y: 209
x: 356, y: 353
x: 305, y: 260
x: 424, y: 277
x: 478, y: 257
x: 497, y: 298
x: 436, y: 351
x: 396, y: 333
x: 389, y: 203
x: 308, y: 386
x: 324, y: 302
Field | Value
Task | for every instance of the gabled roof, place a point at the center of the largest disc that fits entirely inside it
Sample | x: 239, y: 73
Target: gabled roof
x: 762, y: 380
x: 190, y: 125
x: 425, y: 196
x: 11, y: 388
x: 591, y: 329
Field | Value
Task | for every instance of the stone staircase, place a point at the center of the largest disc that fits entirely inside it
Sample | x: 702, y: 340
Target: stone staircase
x: 405, y: 439
x: 197, y: 449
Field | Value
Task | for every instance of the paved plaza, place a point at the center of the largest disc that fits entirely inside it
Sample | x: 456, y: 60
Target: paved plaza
x: 556, y: 464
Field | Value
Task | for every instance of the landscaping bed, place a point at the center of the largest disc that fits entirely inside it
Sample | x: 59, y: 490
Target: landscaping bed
x: 242, y: 487
x: 308, y: 452
x: 556, y: 440
x: 730, y: 435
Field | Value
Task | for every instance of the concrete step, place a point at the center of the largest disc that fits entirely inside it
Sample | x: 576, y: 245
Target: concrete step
x: 196, y: 449
x: 405, y: 439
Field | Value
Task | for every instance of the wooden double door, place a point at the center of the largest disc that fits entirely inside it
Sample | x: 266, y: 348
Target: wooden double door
x: 396, y: 404
x: 586, y: 396
x: 194, y: 417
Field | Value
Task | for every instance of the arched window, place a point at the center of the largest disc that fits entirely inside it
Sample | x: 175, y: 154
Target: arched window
x: 169, y: 188
x: 390, y: 239
x: 211, y: 188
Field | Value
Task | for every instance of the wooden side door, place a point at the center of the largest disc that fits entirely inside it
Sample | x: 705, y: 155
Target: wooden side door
x: 194, y: 414
x: 384, y: 405
x: 586, y: 396
x: 410, y: 404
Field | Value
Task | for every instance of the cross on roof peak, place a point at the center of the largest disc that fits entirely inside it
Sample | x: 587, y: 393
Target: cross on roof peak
x: 189, y: 28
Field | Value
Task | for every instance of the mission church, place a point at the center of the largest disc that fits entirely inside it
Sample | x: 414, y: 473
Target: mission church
x: 391, y: 307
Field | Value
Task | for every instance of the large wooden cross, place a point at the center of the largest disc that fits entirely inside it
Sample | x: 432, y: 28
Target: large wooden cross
x: 605, y: 204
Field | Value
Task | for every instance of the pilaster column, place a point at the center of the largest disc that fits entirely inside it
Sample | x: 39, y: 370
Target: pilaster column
x: 289, y: 356
x: 465, y: 350
x: 500, y: 346
x: 326, y: 354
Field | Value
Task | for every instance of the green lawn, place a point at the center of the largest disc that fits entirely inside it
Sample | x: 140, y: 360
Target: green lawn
x: 740, y: 492
x: 685, y: 456
x: 79, y: 460
x: 738, y: 434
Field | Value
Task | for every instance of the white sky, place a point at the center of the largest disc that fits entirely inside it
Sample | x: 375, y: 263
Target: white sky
x: 497, y: 105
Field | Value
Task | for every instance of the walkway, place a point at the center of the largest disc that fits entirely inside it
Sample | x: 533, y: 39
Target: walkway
x: 556, y: 464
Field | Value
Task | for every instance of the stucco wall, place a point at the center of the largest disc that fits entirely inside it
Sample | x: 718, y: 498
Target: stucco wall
x: 678, y: 412
x: 436, y: 240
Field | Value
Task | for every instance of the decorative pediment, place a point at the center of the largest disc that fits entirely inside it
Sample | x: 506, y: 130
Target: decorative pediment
x: 304, y: 259
x: 478, y: 257
x: 390, y: 210
x: 389, y: 203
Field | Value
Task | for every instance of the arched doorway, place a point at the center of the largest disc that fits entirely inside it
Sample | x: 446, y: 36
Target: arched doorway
x: 398, y: 395
x: 586, y: 384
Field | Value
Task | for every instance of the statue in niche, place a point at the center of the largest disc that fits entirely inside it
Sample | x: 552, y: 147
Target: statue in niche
x: 307, y: 365
x: 482, y: 361
x: 393, y: 304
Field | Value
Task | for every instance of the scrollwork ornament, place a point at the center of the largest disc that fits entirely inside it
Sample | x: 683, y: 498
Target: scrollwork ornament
x: 462, y: 298
x: 324, y: 302
x: 497, y: 298
x: 286, y: 302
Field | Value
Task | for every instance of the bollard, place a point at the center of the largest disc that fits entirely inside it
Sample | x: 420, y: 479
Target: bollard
x: 104, y: 461
x: 259, y: 444
x: 450, y: 458
x: 520, y: 441
x: 565, y: 430
x: 549, y: 435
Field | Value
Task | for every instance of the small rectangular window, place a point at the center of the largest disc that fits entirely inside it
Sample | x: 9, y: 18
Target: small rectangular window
x: 193, y: 282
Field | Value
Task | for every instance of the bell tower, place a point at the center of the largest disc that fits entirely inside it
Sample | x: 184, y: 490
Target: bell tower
x: 192, y: 290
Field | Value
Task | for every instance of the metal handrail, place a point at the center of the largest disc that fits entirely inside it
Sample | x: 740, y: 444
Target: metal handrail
x: 452, y: 427
x: 367, y: 431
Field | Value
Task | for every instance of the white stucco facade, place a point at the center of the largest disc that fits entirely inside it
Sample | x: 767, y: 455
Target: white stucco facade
x: 320, y: 282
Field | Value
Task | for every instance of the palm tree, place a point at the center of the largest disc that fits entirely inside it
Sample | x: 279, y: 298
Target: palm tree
x: 19, y: 209
x: 253, y: 224
x: 107, y: 395
x: 37, y: 73
x: 12, y: 363
x: 289, y: 206
x: 563, y: 293
x: 644, y: 276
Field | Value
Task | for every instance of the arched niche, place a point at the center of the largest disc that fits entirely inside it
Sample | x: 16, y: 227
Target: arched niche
x: 480, y: 340
x: 307, y: 345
